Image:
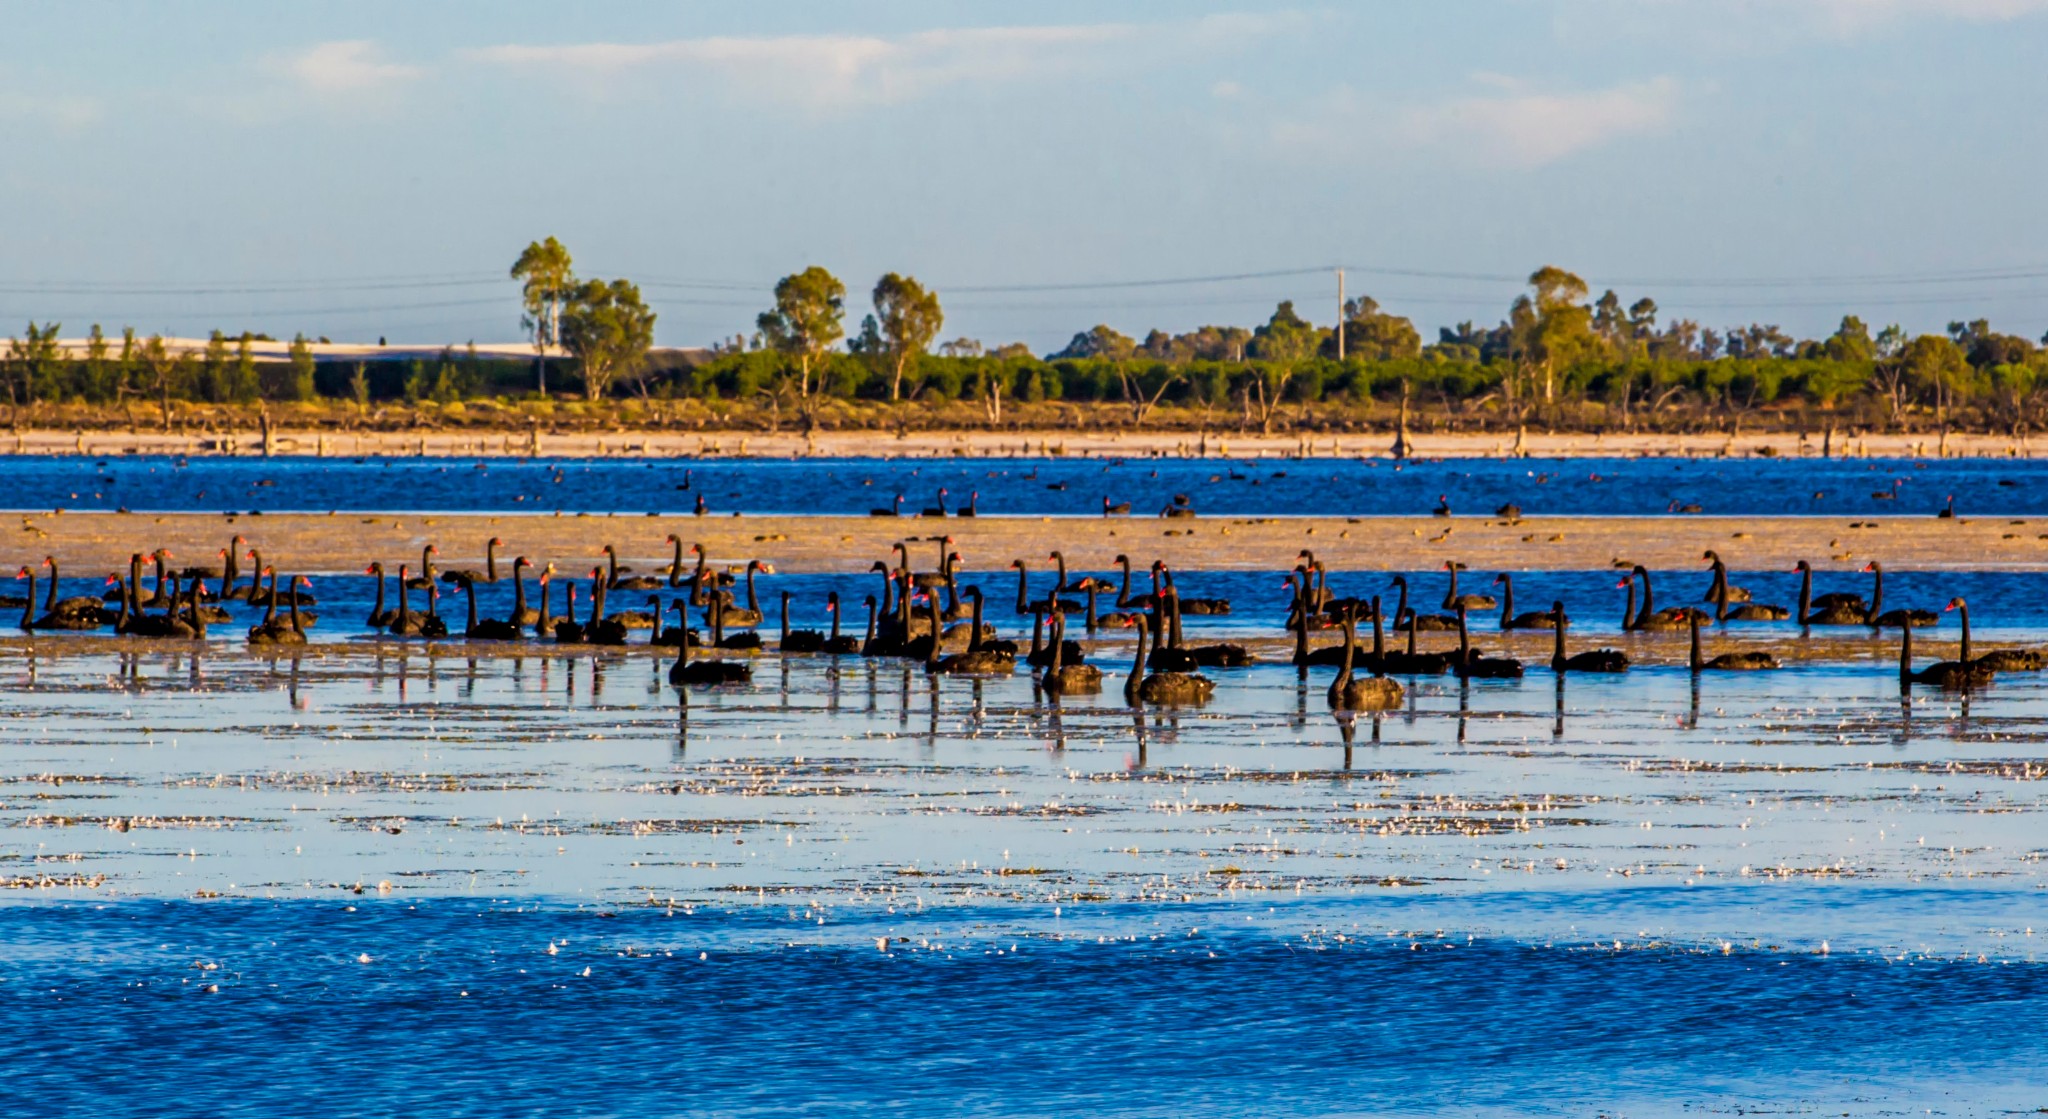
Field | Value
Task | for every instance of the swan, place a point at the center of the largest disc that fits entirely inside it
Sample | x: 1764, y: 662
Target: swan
x: 1726, y: 662
x: 469, y: 574
x: 1718, y: 584
x: 1062, y: 677
x: 802, y: 640
x: 1653, y: 620
x: 1998, y: 660
x: 617, y: 579
x: 1949, y: 675
x: 1591, y: 660
x: 1534, y: 619
x: 976, y: 661
x: 837, y: 644
x: 1404, y: 618
x: 686, y: 673
x: 1162, y: 688
x: 1833, y: 609
x: 1879, y: 617
x: 1372, y: 693
x: 1469, y: 601
x: 1490, y: 668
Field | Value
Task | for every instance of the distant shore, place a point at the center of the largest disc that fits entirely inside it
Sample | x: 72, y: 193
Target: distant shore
x: 662, y: 443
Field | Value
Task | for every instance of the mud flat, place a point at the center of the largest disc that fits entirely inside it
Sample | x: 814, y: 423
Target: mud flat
x: 344, y: 542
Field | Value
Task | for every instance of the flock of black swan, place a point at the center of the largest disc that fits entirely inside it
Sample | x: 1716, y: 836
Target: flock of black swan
x: 930, y: 617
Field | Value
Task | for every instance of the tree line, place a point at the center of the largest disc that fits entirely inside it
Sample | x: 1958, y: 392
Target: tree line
x: 1560, y: 357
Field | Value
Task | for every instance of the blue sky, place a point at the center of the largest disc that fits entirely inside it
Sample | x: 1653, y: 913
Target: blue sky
x: 369, y: 169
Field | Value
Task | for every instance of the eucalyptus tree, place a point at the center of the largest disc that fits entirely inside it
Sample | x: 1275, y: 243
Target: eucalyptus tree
x: 608, y: 329
x: 807, y: 321
x: 906, y: 320
x: 548, y: 279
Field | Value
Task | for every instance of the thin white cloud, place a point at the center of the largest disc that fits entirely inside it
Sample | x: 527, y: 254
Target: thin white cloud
x: 1527, y: 129
x: 1749, y: 26
x: 1516, y: 127
x: 1854, y: 16
x: 841, y: 71
x: 344, y: 66
x: 61, y: 112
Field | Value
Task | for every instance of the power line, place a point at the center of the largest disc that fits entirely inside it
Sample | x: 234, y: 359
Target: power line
x: 277, y: 287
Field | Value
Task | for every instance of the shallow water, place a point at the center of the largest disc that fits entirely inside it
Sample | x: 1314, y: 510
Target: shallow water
x: 1025, y: 486
x: 870, y: 783
x: 385, y: 883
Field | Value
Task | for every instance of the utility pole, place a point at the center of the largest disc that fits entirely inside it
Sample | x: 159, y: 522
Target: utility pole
x: 1340, y: 314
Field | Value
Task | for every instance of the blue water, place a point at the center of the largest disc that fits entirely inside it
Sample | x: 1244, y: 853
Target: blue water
x: 1781, y: 892
x: 1015, y: 487
x: 457, y: 1008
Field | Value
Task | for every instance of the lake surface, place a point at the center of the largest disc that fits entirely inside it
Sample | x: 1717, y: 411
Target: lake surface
x: 1034, y: 487
x: 369, y: 880
x: 407, y: 885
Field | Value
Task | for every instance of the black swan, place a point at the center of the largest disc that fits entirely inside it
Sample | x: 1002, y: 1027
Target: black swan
x: 1832, y: 609
x: 1404, y: 618
x: 1163, y: 687
x: 470, y: 574
x: 1726, y: 662
x: 837, y: 644
x: 1879, y: 617
x: 1949, y: 675
x: 617, y: 579
x: 799, y: 640
x: 1718, y: 584
x: 1371, y: 693
x: 1534, y: 619
x: 1998, y: 660
x: 1475, y: 667
x: 1062, y: 677
x: 1592, y: 660
x: 704, y: 674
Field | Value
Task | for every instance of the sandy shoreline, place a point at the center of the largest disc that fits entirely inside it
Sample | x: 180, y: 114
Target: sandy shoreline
x: 941, y: 444
x: 99, y: 543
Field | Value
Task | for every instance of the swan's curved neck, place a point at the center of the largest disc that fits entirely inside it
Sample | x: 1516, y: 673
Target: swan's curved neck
x: 1350, y: 651
x: 1137, y: 668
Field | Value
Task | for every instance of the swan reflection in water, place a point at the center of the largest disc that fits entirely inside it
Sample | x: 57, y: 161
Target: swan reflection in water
x: 1347, y: 728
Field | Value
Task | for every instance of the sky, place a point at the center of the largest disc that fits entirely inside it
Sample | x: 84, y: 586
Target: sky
x: 360, y: 170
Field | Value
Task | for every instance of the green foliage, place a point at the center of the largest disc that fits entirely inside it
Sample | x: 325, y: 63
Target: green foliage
x: 32, y: 364
x: 1555, y: 346
x: 298, y: 383
x: 609, y: 330
x: 1286, y: 338
x: 807, y: 320
x: 548, y: 280
x: 359, y: 387
x: 1372, y: 334
x: 1099, y: 342
x: 906, y: 320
